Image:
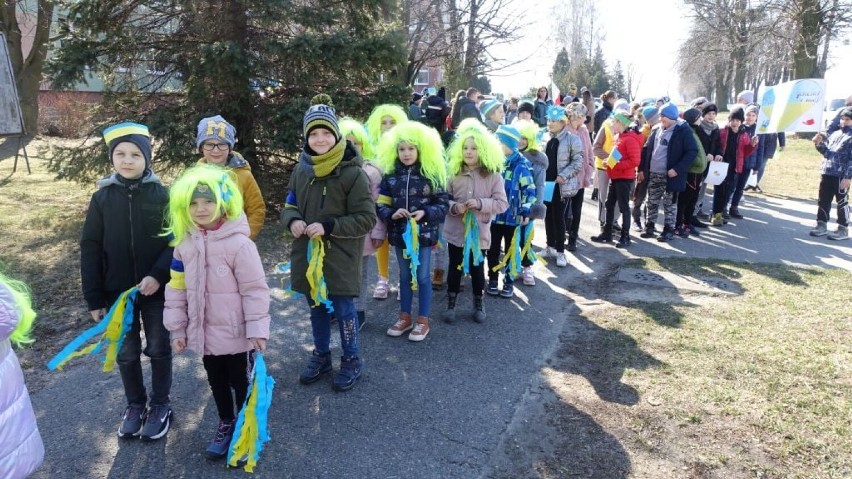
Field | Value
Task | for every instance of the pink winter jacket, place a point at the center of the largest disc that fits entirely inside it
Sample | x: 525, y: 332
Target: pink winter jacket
x: 21, y: 449
x: 223, y: 299
x: 379, y: 232
x: 587, y: 173
x: 490, y: 190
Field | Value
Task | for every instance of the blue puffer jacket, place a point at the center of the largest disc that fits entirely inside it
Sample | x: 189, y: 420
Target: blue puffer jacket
x: 837, y: 154
x: 520, y: 190
x: 407, y: 188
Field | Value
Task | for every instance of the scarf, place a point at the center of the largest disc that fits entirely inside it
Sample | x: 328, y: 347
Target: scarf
x: 708, y: 126
x: 325, y: 163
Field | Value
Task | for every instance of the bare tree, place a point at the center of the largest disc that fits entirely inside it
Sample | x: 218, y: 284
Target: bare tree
x: 632, y: 80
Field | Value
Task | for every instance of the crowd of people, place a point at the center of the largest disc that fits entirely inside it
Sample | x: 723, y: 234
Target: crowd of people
x: 452, y: 188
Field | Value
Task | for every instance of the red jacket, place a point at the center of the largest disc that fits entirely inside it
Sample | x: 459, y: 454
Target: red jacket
x: 744, y: 147
x: 629, y: 143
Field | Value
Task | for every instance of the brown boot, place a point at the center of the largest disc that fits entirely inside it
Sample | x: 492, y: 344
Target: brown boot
x: 437, y: 279
x: 421, y: 329
x: 402, y: 326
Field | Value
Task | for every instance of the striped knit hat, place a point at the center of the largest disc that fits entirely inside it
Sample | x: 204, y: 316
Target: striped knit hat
x: 132, y: 133
x: 489, y: 106
x: 321, y: 116
x: 509, y: 136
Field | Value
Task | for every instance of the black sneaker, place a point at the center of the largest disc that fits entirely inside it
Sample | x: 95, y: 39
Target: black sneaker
x: 350, y: 371
x: 157, y: 422
x: 132, y: 421
x: 218, y: 447
x: 572, y: 245
x: 492, y: 288
x: 318, y: 365
x: 508, y: 290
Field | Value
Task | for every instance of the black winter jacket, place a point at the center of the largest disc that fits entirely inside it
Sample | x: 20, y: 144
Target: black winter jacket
x: 121, y: 241
x: 407, y: 188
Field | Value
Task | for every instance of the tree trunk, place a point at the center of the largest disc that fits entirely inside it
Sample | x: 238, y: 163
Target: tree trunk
x: 806, y: 45
x: 721, y: 89
x: 471, y: 56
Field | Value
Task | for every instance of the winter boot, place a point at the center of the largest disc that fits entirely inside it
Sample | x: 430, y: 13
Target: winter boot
x: 842, y: 233
x: 437, y: 279
x: 649, y: 231
x: 624, y: 241
x: 605, y: 236
x: 478, y: 310
x: 450, y: 314
x: 820, y: 230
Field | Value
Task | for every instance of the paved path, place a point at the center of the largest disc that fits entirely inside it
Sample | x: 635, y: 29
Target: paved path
x: 440, y: 408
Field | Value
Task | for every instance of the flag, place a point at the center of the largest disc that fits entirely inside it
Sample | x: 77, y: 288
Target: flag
x: 614, y: 158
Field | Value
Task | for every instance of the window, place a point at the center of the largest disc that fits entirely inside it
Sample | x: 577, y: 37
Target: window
x: 422, y: 77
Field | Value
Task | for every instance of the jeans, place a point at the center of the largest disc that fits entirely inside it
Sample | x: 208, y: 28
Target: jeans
x: 225, y: 373
x: 344, y: 311
x: 424, y: 284
x: 454, y: 275
x: 148, y: 311
x: 829, y: 189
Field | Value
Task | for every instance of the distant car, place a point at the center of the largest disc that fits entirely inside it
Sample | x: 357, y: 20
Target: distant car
x: 831, y: 108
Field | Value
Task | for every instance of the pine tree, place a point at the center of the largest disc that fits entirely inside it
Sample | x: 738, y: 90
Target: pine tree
x: 561, y: 70
x: 170, y: 63
x: 617, y: 80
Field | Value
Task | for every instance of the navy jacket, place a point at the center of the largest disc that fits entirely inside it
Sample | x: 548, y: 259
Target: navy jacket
x: 407, y: 188
x: 681, y: 152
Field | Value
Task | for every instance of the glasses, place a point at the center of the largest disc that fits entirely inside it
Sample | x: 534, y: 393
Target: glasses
x: 215, y: 146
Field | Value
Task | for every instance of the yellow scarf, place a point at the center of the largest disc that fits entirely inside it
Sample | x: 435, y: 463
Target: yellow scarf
x: 325, y: 163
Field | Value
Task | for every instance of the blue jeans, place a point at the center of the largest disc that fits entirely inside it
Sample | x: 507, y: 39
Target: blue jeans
x: 147, y: 314
x: 344, y: 311
x: 424, y: 285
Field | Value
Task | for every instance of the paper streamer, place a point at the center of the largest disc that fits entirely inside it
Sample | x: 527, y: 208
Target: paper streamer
x: 251, y: 429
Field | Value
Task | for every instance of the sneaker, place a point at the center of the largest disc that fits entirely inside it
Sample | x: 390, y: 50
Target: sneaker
x: 218, y: 447
x: 350, y: 371
x: 735, y: 213
x: 318, y: 365
x: 421, y: 329
x: 561, y: 260
x: 666, y: 235
x: 157, y: 422
x: 492, y: 288
x: 637, y: 226
x: 132, y: 421
x: 718, y: 220
x: 682, y: 231
x: 437, y: 279
x: 508, y: 290
x: 527, y: 276
x: 572, y: 245
x: 401, y: 326
x: 382, y: 289
x: 842, y: 233
x: 820, y: 230
x: 548, y: 252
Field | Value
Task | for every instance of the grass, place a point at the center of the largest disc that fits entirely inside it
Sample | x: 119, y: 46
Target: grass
x: 755, y: 387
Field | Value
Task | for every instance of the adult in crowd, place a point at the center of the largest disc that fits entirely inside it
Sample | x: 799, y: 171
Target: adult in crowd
x: 415, y: 113
x: 542, y: 101
x: 607, y: 101
x: 437, y: 110
x: 465, y: 107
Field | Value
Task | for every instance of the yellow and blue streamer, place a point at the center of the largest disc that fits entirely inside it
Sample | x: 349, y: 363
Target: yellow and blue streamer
x: 527, y: 250
x: 411, y: 237
x: 316, y: 279
x: 284, y: 269
x: 512, y: 258
x: 251, y: 430
x: 471, y: 243
x: 112, y: 328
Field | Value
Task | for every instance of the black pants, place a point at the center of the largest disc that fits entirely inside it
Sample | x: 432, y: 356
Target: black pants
x: 454, y: 275
x: 554, y: 222
x: 500, y: 234
x: 573, y: 210
x: 720, y: 191
x: 227, y: 373
x: 619, y: 191
x: 688, y: 198
x: 829, y: 189
x: 639, y: 194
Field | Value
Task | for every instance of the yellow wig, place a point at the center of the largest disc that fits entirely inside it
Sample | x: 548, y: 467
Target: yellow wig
x: 349, y: 126
x: 23, y: 304
x: 222, y: 184
x: 529, y: 131
x: 430, y: 151
x: 374, y: 122
x: 491, y: 155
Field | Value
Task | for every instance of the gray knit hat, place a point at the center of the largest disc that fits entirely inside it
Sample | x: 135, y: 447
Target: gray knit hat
x: 215, y: 128
x: 321, y: 116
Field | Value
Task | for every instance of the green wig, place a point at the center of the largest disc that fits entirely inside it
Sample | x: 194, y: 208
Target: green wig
x: 23, y: 305
x: 374, y: 122
x: 223, y: 186
x: 529, y: 131
x: 491, y: 155
x: 349, y: 126
x: 430, y: 151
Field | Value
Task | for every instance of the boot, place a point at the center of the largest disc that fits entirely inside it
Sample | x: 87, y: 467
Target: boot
x: 572, y: 244
x: 437, y: 279
x: 624, y: 241
x: 421, y: 329
x: 605, y: 236
x: 649, y: 231
x: 820, y: 230
x: 841, y: 234
x: 478, y: 311
x: 450, y: 314
x: 402, y: 326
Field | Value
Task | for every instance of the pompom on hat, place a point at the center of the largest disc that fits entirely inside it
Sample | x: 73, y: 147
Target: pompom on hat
x: 321, y: 116
x: 215, y: 128
x: 135, y: 133
x: 509, y: 136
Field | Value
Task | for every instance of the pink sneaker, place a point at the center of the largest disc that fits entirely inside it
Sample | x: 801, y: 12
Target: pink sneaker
x: 527, y: 276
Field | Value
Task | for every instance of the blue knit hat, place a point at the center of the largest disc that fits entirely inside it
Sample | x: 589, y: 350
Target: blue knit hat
x: 651, y: 113
x: 509, y: 136
x: 669, y: 110
x: 131, y: 133
x: 215, y: 128
x: 489, y: 106
x: 321, y: 116
x: 556, y: 113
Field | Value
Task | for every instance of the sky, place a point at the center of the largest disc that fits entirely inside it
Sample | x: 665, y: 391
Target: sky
x: 627, y: 26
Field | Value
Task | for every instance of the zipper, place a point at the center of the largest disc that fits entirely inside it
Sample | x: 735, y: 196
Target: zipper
x: 132, y: 242
x: 322, y: 201
x: 407, y: 180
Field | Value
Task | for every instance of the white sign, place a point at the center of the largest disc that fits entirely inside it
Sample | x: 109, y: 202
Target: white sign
x: 792, y: 106
x: 11, y: 120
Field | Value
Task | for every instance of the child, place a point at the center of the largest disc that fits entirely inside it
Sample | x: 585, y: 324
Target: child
x: 412, y: 158
x: 749, y: 165
x: 736, y: 145
x: 355, y: 134
x: 695, y: 175
x: 577, y: 114
x: 708, y: 135
x: 519, y: 185
x: 530, y: 147
x: 621, y: 175
x: 475, y: 164
x: 121, y: 247
x: 380, y: 121
x: 835, y: 171
x: 21, y: 448
x: 217, y: 302
x: 492, y: 112
x: 329, y: 199
x: 215, y: 139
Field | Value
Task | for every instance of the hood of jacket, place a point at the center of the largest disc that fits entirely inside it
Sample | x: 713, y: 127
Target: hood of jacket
x: 115, y: 179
